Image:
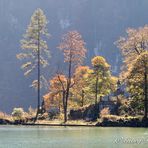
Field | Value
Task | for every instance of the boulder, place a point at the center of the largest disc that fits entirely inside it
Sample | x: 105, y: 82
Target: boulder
x: 89, y: 113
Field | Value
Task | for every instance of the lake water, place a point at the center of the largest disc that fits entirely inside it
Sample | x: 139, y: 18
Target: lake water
x: 72, y: 137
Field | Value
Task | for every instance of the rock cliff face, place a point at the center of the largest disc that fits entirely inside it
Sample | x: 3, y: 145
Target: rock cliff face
x: 100, y: 22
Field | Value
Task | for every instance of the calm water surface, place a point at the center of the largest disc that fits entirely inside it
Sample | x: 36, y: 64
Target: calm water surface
x: 72, y: 137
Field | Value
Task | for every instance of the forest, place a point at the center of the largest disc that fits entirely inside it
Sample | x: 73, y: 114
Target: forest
x: 80, y: 93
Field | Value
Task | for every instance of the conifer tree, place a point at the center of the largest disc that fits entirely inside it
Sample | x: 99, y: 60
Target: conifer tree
x: 35, y: 51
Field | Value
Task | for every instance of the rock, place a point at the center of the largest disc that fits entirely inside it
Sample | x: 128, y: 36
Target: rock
x: 134, y: 122
x: 43, y: 116
x: 76, y: 114
x: 5, y: 121
x: 89, y: 113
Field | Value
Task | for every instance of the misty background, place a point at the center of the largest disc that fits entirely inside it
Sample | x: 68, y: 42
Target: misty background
x: 101, y: 23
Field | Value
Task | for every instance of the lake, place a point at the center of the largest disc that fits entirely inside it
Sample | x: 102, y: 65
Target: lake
x: 72, y: 137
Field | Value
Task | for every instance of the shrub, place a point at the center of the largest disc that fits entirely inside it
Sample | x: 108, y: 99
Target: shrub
x: 18, y: 113
x: 32, y: 112
x: 60, y: 116
x: 53, y: 112
x: 5, y: 116
x: 104, y: 111
x: 2, y: 115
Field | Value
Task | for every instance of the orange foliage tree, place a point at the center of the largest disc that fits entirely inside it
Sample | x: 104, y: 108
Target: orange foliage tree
x: 73, y: 48
x: 56, y: 91
x: 80, y: 88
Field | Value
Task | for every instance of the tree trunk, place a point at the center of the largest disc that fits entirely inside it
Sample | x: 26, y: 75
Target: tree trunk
x: 96, y: 91
x: 118, y: 105
x: 38, y: 56
x: 64, y: 106
x: 66, y: 102
x: 145, y: 94
x: 67, y: 89
x: 60, y: 96
x: 82, y: 98
x: 65, y: 114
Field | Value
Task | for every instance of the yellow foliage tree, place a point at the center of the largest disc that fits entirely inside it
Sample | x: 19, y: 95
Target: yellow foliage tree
x: 132, y: 47
x: 101, y: 81
x: 79, y: 89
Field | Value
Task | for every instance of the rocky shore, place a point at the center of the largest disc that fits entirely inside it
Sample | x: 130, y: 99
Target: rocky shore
x: 123, y: 123
x: 9, y: 122
x: 105, y: 123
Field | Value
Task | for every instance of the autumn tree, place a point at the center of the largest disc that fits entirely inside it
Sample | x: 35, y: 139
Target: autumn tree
x: 35, y: 51
x: 101, y: 82
x: 73, y: 48
x: 80, y: 88
x: 133, y: 46
x: 136, y: 82
x: 56, y: 91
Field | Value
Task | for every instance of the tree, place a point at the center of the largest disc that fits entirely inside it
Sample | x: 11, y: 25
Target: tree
x: 136, y: 82
x: 132, y: 47
x: 73, y: 48
x: 56, y: 91
x: 80, y: 88
x: 101, y: 82
x: 35, y: 49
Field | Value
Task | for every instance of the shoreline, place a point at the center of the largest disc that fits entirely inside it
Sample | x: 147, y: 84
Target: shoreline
x: 69, y: 125
x: 81, y: 123
x: 52, y: 125
x: 72, y: 125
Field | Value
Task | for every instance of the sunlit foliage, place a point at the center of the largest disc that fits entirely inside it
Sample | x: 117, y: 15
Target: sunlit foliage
x: 134, y: 48
x: 34, y: 46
